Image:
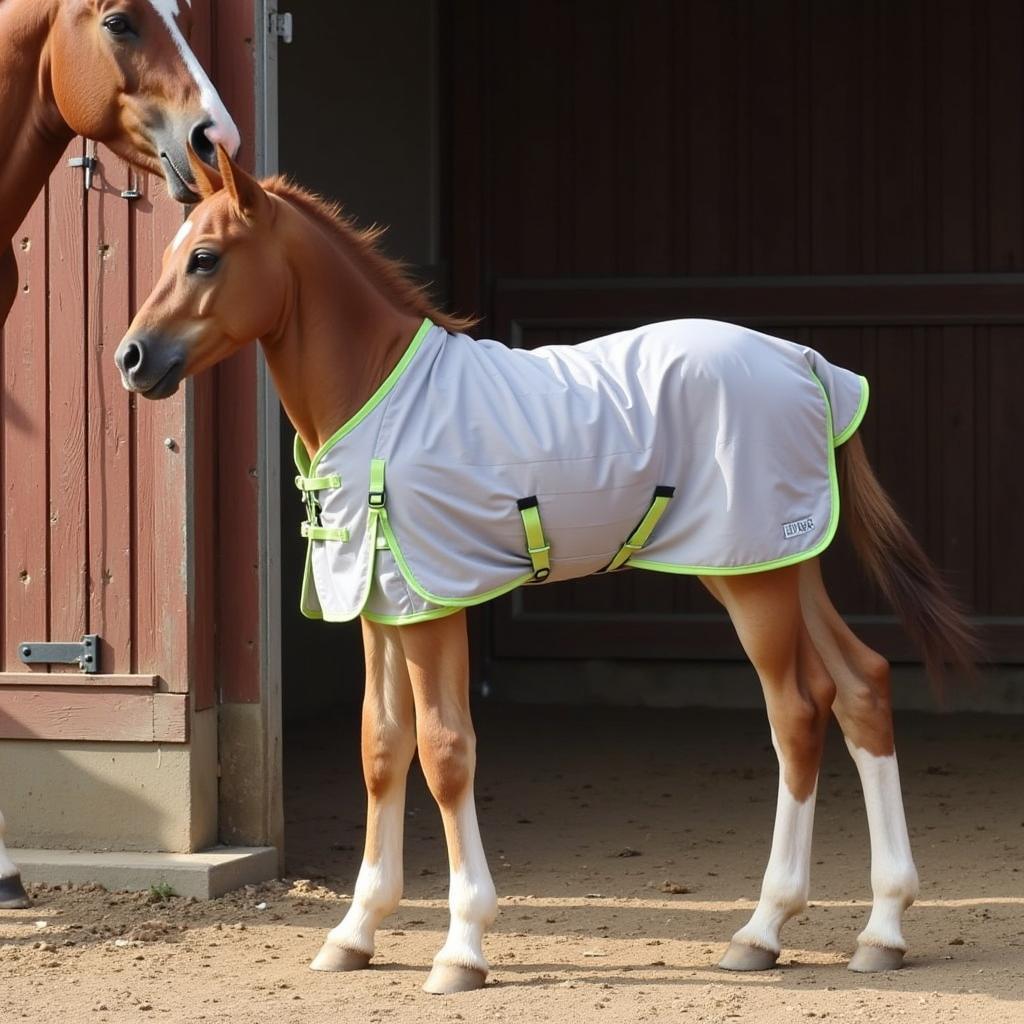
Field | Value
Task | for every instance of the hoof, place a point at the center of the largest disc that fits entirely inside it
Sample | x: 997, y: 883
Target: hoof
x: 741, y: 957
x: 338, y: 958
x: 445, y: 979
x: 12, y: 894
x: 871, y: 959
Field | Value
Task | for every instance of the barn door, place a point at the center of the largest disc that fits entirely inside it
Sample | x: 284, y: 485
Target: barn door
x: 93, y: 483
x: 845, y: 175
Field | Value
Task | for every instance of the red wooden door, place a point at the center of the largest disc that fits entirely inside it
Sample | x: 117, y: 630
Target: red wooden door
x: 92, y: 484
x: 109, y: 503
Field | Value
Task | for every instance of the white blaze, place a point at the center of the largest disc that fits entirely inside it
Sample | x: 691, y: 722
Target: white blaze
x: 224, y: 130
x: 180, y: 237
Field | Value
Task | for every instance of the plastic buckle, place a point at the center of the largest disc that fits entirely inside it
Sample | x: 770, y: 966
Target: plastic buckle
x: 376, y: 499
x: 541, y: 574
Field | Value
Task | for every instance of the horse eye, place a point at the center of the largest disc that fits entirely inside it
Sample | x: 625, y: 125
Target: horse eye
x: 117, y: 25
x: 202, y: 261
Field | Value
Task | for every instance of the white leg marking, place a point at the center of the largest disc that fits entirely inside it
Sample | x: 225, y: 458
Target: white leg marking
x: 7, y: 866
x: 787, y: 878
x: 893, y: 875
x: 378, y: 888
x: 224, y: 130
x: 472, y: 901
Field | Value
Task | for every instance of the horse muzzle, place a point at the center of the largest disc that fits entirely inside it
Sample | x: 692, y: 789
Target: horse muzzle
x: 152, y: 367
x: 174, y: 158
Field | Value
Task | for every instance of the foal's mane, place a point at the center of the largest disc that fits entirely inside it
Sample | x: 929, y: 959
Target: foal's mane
x: 391, y: 274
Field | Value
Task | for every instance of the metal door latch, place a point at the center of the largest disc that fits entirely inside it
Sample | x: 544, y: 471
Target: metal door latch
x: 90, y: 163
x: 86, y: 655
x: 282, y: 25
x: 132, y: 191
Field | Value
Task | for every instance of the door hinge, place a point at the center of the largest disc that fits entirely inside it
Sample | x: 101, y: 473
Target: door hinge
x: 281, y: 25
x: 86, y: 655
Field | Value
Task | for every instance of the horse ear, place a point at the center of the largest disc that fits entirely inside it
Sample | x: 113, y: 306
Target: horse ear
x: 208, y: 180
x: 249, y: 198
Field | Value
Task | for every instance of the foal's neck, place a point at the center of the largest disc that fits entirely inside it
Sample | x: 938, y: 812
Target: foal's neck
x: 339, y: 338
x: 32, y: 132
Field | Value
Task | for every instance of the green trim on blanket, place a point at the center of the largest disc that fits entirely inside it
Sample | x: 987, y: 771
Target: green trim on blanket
x: 375, y: 399
x: 796, y: 557
x: 307, y: 466
x: 449, y: 602
x: 408, y: 620
x: 851, y: 427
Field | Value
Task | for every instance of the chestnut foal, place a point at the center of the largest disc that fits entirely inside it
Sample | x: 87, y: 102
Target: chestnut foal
x: 272, y: 262
x: 119, y: 72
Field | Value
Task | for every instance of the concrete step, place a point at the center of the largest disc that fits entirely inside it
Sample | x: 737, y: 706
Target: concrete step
x: 205, y: 875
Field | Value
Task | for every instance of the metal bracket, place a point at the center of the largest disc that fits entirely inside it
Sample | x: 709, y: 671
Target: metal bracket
x: 86, y: 655
x: 132, y: 191
x: 281, y: 25
x: 90, y: 163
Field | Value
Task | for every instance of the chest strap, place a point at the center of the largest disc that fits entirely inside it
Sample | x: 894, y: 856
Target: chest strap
x: 642, y: 534
x: 309, y: 486
x: 537, y: 547
x: 311, y: 531
x: 317, y: 483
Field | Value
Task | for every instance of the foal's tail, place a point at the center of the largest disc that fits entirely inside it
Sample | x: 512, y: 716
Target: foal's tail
x: 896, y: 562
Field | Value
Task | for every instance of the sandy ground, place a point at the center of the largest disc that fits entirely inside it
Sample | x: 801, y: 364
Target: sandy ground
x: 589, y: 817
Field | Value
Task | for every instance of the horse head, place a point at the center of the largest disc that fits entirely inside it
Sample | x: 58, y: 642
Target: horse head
x: 223, y: 284
x: 122, y: 72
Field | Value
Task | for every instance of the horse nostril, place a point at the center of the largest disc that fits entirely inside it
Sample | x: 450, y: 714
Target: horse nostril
x: 130, y: 357
x: 201, y: 144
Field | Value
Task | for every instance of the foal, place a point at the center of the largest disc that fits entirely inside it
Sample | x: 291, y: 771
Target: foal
x: 334, y: 317
x: 120, y: 73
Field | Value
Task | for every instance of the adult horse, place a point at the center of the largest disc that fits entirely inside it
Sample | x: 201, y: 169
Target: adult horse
x: 120, y: 72
x: 438, y: 471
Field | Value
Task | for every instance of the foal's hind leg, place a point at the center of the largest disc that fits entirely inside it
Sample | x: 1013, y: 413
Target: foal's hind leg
x: 864, y: 710
x: 765, y: 609
x: 388, y: 743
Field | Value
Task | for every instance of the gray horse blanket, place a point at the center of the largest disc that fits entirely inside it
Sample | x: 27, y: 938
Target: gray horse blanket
x: 686, y: 447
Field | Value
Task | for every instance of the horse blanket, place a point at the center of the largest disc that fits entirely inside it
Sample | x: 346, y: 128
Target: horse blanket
x: 687, y: 447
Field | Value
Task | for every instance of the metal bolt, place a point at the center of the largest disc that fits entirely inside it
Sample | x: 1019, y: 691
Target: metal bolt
x: 170, y: 444
x: 27, y: 652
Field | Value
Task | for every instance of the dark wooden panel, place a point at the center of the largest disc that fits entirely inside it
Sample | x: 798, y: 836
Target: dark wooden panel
x: 845, y: 175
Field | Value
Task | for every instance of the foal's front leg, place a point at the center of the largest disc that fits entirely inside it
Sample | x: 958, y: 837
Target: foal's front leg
x: 388, y: 742
x: 437, y: 658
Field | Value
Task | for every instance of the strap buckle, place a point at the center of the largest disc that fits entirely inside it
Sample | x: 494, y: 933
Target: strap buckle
x: 376, y: 499
x: 537, y: 546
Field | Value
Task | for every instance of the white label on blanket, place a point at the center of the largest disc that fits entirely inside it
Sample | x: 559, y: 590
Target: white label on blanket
x: 798, y: 528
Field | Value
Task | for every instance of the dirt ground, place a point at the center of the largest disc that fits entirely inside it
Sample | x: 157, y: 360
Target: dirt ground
x: 626, y: 847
